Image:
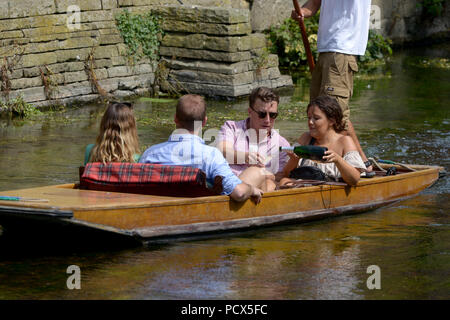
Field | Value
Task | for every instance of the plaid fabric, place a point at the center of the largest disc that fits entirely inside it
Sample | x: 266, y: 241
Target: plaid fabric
x: 146, y: 178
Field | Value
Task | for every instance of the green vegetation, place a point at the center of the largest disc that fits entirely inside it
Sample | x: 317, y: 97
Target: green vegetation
x: 19, y: 108
x: 378, y: 48
x: 141, y: 34
x: 432, y: 8
x: 286, y: 41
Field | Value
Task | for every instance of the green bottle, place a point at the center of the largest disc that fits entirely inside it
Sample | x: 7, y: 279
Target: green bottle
x: 307, y: 152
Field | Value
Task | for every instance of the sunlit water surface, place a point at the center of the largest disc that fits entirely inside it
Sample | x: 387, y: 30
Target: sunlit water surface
x: 401, y: 113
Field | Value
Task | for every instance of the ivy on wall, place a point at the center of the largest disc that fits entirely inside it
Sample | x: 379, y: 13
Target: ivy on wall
x: 140, y: 33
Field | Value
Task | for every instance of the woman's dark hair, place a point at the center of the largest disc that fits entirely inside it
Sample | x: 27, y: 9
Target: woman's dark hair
x: 331, y: 108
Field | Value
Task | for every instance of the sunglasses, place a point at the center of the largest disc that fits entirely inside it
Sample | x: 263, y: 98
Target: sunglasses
x: 263, y: 115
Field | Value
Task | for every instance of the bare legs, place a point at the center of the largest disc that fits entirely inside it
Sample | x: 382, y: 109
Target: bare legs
x: 259, y: 177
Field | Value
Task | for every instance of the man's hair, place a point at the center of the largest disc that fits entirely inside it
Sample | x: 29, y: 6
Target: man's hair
x: 190, y: 108
x: 264, y: 94
x: 331, y: 108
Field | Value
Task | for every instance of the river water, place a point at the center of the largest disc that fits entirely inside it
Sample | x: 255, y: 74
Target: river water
x: 400, y: 111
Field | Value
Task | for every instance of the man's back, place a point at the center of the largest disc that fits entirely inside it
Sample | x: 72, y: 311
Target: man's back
x: 190, y: 150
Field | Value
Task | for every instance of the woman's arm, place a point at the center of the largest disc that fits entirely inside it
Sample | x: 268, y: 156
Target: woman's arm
x: 350, y: 174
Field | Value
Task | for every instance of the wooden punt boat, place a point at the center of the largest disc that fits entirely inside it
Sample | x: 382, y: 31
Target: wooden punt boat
x: 150, y: 217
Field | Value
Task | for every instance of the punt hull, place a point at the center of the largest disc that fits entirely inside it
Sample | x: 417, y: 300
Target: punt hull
x: 148, y: 217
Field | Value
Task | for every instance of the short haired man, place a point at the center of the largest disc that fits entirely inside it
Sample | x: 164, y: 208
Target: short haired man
x: 185, y: 147
x: 251, y: 146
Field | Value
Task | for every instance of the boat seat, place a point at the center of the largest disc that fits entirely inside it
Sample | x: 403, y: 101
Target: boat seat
x: 146, y: 178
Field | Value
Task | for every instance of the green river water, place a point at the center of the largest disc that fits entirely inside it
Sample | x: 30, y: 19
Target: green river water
x: 401, y: 112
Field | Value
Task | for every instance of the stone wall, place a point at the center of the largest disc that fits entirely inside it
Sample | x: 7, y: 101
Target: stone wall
x: 219, y: 56
x: 54, y: 65
x: 403, y: 21
x: 47, y: 62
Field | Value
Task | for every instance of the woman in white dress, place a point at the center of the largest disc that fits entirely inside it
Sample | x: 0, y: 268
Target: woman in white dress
x: 342, y: 159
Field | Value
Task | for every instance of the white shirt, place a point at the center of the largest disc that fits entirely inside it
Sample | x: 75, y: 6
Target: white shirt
x: 344, y: 26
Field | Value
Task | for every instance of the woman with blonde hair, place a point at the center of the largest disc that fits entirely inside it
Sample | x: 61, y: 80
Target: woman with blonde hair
x: 117, y: 140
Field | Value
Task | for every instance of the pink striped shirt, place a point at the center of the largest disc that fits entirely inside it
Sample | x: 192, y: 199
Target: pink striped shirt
x: 244, y: 139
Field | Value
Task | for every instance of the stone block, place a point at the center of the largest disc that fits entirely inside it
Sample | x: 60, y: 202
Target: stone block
x: 45, y: 31
x: 11, y: 34
x: 103, y: 52
x: 119, y: 60
x: 143, y: 68
x: 29, y: 94
x: 264, y: 14
x: 206, y: 28
x: 109, y: 84
x: 73, y: 43
x: 204, y: 54
x: 215, y: 90
x: 39, y: 47
x: 109, y: 4
x: 4, y: 9
x: 84, y: 5
x: 26, y: 83
x: 95, y: 16
x: 206, y: 42
x: 73, y: 89
x: 122, y: 93
x: 101, y: 74
x: 103, y: 63
x: 120, y: 71
x: 16, y: 74
x: 204, y: 14
x: 211, y: 77
x: 22, y: 8
x: 72, y: 55
x: 77, y: 76
x: 110, y: 39
x: 31, y: 60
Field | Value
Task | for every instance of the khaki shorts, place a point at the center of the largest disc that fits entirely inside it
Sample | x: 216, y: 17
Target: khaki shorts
x: 333, y: 75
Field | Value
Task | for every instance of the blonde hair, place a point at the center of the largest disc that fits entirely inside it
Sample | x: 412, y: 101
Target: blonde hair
x: 117, y: 140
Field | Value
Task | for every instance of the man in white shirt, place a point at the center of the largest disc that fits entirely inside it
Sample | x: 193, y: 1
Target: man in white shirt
x: 343, y: 33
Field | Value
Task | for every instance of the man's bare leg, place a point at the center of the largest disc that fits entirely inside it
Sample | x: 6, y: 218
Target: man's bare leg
x: 258, y: 177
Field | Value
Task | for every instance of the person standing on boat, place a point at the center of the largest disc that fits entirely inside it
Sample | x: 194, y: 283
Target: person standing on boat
x: 186, y: 148
x: 253, y: 143
x: 343, y: 34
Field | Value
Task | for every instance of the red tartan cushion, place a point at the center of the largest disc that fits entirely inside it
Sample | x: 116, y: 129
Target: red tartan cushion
x: 145, y: 178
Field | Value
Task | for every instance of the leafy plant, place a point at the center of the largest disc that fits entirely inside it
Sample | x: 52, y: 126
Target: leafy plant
x: 141, y: 34
x: 286, y: 41
x: 378, y: 47
x: 18, y: 107
x: 432, y: 8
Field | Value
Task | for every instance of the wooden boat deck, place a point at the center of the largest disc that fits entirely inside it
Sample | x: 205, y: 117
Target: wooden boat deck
x: 147, y: 216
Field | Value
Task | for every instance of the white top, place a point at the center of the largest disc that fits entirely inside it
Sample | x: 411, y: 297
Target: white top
x: 344, y: 26
x: 331, y: 170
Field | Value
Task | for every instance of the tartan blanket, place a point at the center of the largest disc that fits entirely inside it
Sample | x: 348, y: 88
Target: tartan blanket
x: 145, y: 178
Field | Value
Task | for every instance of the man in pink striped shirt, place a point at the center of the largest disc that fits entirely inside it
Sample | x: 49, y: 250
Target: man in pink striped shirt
x: 251, y: 146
